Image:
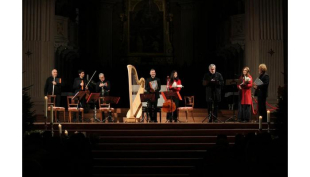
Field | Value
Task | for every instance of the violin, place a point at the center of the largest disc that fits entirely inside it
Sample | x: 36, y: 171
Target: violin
x: 168, y: 105
x: 87, y: 90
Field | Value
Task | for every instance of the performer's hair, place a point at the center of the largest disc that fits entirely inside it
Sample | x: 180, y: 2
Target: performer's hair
x: 211, y: 65
x: 101, y: 74
x: 263, y: 67
x: 172, y: 77
x: 248, y: 71
x: 80, y: 71
x: 152, y: 70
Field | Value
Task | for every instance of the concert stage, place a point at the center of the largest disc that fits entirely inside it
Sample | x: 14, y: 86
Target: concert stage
x: 153, y: 149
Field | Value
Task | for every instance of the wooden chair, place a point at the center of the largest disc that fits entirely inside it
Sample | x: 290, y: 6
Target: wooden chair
x: 72, y: 107
x: 189, y: 106
x: 104, y: 107
x: 51, y: 99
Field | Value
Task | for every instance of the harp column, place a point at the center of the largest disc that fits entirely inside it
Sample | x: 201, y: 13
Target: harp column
x: 264, y: 41
x: 38, y: 47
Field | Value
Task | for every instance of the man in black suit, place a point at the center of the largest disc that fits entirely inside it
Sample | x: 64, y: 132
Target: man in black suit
x: 213, y: 81
x: 261, y: 91
x: 79, y: 84
x: 150, y: 83
x: 103, y: 86
x: 53, y: 81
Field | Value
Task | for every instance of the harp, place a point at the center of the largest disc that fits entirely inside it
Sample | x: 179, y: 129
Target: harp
x: 136, y: 87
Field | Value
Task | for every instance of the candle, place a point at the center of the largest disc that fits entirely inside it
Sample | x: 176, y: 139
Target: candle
x: 260, y: 122
x: 268, y: 116
x: 60, y: 129
x: 52, y: 113
x: 66, y: 133
x: 45, y: 106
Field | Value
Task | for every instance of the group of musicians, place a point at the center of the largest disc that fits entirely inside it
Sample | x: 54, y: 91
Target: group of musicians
x: 212, y: 81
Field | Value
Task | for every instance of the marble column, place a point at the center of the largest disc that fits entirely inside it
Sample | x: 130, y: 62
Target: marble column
x: 38, y: 47
x: 264, y: 41
x: 187, y: 32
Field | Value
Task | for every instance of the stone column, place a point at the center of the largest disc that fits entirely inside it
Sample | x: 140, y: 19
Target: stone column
x: 38, y: 47
x: 187, y: 32
x: 264, y: 41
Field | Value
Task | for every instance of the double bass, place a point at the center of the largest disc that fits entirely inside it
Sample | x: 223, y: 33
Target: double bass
x: 168, y: 105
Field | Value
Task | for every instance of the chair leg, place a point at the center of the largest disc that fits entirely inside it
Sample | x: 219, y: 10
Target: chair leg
x: 64, y: 116
x: 69, y: 112
x: 55, y: 116
x: 82, y: 115
x: 100, y: 112
x: 193, y: 116
x: 186, y: 115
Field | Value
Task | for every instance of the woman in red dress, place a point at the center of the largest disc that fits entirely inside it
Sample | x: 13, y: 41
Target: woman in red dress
x: 174, y: 85
x: 244, y: 112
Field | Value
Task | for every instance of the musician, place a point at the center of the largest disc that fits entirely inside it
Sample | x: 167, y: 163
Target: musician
x: 213, y: 81
x: 261, y: 91
x: 244, y: 112
x: 79, y: 84
x: 152, y: 85
x: 103, y: 86
x: 175, y: 86
x: 55, y: 81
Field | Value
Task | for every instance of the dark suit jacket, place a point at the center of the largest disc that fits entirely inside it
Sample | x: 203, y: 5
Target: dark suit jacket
x: 76, y: 84
x: 262, y: 90
x: 105, y: 88
x: 48, y: 88
x: 213, y: 89
x: 148, y: 88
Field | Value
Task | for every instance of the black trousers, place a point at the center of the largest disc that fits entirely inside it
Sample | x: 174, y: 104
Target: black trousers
x: 262, y: 111
x: 152, y: 107
x: 244, y: 112
x: 175, y: 113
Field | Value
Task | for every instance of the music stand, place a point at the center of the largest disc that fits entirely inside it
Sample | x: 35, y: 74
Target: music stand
x: 147, y: 97
x: 232, y: 82
x: 94, y: 97
x: 212, y: 84
x: 170, y: 95
x: 79, y: 96
x: 110, y: 100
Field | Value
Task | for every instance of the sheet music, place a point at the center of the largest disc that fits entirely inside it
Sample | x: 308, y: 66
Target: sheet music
x: 258, y: 82
x: 154, y: 84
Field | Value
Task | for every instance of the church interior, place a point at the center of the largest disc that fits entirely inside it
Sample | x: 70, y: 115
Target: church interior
x: 186, y: 36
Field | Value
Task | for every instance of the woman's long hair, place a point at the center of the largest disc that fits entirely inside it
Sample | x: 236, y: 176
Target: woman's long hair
x: 248, y: 72
x: 172, y: 77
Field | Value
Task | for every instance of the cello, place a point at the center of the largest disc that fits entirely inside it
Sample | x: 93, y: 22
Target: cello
x: 168, y: 105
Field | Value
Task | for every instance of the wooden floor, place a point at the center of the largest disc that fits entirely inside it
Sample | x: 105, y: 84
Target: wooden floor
x: 120, y: 113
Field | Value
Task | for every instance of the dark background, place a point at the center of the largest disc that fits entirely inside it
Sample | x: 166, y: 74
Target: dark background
x: 210, y: 34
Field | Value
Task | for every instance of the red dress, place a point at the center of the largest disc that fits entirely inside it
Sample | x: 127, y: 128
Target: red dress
x: 246, y: 91
x: 177, y: 89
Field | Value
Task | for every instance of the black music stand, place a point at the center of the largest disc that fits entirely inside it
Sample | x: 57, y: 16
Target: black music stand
x: 147, y: 97
x: 110, y: 100
x: 170, y: 95
x: 94, y: 97
x: 213, y: 84
x: 79, y: 96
